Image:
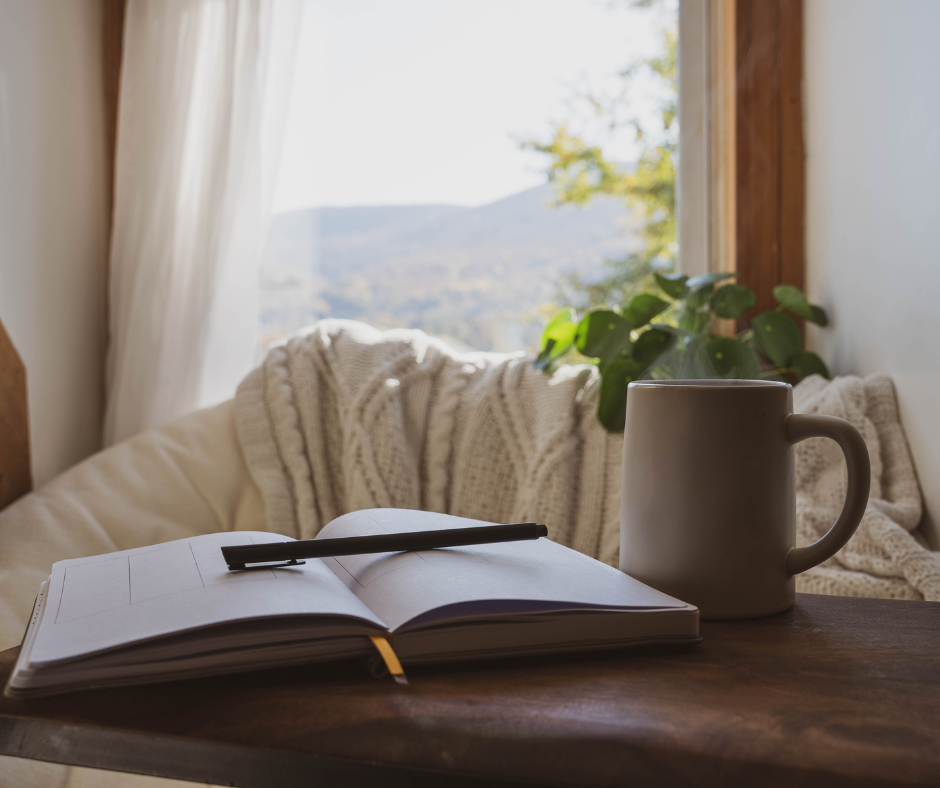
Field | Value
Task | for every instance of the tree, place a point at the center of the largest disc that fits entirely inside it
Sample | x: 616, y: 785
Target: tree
x: 643, y: 319
x: 582, y: 171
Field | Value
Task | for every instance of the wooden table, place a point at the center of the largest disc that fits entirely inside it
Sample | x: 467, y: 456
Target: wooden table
x: 834, y: 692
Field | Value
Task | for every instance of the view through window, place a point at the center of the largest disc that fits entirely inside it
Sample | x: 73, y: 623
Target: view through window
x: 414, y: 188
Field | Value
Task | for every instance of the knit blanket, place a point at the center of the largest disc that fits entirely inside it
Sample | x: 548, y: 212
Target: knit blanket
x: 884, y: 558
x: 344, y: 417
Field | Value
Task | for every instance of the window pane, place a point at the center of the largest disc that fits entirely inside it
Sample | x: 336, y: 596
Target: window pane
x: 412, y: 192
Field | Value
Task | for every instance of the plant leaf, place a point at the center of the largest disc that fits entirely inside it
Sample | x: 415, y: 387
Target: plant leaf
x: 602, y: 334
x: 673, y: 285
x: 643, y: 308
x: 559, y: 327
x: 693, y: 322
x: 777, y: 337
x: 819, y: 316
x: 699, y: 297
x: 699, y: 288
x: 560, y: 321
x: 545, y: 357
x: 651, y: 344
x: 732, y: 301
x: 612, y: 402
x: 709, y: 279
x: 557, y: 338
x: 792, y: 298
x: 806, y: 363
x: 732, y: 358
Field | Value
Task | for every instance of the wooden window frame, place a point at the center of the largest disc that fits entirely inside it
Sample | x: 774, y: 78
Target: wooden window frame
x: 742, y: 162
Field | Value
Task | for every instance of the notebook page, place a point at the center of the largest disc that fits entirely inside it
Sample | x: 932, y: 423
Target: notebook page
x: 538, y: 575
x: 111, y: 600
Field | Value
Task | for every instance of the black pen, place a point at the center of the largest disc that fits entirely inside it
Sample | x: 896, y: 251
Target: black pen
x: 290, y: 553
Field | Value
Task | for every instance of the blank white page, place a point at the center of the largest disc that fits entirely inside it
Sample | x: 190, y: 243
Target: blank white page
x: 401, y: 586
x: 110, y: 600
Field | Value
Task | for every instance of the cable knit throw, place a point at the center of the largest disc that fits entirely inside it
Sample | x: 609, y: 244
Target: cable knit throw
x: 345, y: 417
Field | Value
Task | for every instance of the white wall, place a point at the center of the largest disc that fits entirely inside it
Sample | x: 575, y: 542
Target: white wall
x: 872, y: 93
x: 53, y: 219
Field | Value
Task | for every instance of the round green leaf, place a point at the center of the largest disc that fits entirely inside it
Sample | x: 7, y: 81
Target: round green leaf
x: 777, y: 337
x: 548, y: 355
x: 819, y: 316
x: 693, y: 322
x: 792, y: 298
x: 612, y: 402
x: 651, y: 344
x: 699, y: 297
x: 709, y: 279
x: 561, y: 328
x: 806, y: 363
x: 557, y: 338
x: 732, y: 301
x: 673, y: 285
x: 602, y: 334
x: 643, y: 308
x: 731, y: 358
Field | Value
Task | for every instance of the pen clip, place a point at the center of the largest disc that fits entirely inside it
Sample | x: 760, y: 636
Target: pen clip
x: 242, y: 567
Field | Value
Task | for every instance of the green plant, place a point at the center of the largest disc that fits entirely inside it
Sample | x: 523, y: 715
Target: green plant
x: 627, y: 345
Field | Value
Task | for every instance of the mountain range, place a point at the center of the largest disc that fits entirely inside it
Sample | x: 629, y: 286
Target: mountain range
x: 473, y: 276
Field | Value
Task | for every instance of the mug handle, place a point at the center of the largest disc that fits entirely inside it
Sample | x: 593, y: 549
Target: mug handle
x: 800, y: 427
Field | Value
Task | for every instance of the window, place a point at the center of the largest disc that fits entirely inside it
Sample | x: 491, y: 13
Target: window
x: 407, y: 195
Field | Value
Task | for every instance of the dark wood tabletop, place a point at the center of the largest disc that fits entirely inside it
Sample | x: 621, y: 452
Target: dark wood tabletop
x: 834, y: 692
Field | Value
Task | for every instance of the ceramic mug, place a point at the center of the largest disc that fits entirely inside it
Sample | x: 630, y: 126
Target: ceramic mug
x: 708, y: 500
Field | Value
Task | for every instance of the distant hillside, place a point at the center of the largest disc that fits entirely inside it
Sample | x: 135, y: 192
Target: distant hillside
x: 474, y: 275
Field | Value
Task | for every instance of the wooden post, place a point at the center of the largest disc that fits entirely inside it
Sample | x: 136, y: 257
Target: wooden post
x: 15, y: 475
x: 769, y: 155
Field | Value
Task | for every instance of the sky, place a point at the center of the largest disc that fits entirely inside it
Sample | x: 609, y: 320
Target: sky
x: 399, y: 102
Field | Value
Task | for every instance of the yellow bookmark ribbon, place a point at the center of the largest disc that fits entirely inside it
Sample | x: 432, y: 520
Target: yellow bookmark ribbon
x: 389, y: 657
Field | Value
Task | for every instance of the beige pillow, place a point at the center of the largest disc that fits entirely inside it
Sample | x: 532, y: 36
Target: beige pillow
x: 183, y: 479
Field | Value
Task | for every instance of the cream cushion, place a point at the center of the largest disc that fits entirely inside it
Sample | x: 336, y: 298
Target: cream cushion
x: 183, y: 479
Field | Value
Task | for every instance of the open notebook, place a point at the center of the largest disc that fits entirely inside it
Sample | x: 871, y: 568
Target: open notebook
x: 174, y: 610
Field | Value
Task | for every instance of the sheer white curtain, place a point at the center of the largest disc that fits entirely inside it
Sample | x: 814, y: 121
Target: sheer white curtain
x: 203, y: 103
